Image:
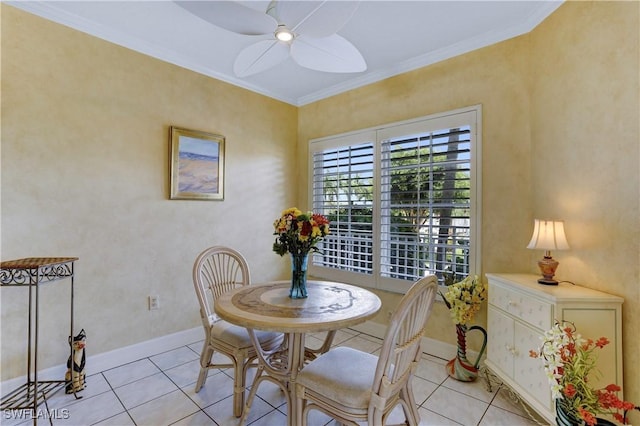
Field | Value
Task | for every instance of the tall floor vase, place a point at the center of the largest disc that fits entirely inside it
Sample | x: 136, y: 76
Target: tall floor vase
x: 460, y: 368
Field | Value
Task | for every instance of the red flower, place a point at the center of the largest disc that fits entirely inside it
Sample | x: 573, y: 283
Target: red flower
x: 613, y: 388
x: 320, y: 219
x: 608, y: 399
x: 588, y: 418
x: 586, y: 345
x: 305, y: 228
x: 602, y: 342
x: 569, y: 390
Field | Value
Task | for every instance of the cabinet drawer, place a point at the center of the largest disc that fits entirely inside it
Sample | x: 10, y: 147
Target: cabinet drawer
x: 500, y: 342
x: 529, y: 372
x: 531, y: 310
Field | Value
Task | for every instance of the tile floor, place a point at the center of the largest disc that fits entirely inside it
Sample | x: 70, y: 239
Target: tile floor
x: 159, y: 390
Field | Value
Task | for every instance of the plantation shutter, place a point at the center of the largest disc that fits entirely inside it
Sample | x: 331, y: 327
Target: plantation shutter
x: 403, y: 201
x: 425, y: 203
x: 343, y: 192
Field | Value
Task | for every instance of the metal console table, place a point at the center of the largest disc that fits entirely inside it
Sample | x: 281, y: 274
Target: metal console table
x: 31, y: 273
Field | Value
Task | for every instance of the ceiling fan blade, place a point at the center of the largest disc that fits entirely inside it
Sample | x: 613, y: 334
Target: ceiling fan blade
x: 259, y: 57
x: 232, y: 16
x: 315, y: 18
x: 328, y: 54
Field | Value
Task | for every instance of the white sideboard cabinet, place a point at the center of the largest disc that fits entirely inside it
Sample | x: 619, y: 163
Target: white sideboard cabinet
x: 520, y: 310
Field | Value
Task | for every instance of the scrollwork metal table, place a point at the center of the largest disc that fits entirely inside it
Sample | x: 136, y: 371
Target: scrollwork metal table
x: 31, y: 273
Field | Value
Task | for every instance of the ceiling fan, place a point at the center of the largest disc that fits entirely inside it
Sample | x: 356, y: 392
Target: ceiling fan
x: 304, y: 30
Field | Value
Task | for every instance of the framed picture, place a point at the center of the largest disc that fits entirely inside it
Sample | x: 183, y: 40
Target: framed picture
x: 197, y: 165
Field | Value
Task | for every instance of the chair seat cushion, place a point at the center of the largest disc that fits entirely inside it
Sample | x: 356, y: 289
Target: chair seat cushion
x: 342, y: 374
x: 237, y: 336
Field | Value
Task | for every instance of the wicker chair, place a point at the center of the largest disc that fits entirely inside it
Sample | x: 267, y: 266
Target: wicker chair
x: 217, y: 270
x: 353, y: 386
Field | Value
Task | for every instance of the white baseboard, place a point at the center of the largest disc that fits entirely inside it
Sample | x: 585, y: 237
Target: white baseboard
x: 116, y: 357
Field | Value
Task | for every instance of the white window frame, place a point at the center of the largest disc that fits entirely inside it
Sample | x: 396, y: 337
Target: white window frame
x: 469, y: 116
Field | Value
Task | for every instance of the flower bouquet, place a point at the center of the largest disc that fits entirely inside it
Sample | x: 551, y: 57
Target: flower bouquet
x: 568, y: 360
x: 298, y: 233
x: 463, y: 300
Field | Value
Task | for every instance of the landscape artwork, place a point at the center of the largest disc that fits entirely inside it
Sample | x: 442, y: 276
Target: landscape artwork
x: 197, y: 165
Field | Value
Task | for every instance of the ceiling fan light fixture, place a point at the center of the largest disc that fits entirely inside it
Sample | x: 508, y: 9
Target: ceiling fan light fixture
x: 283, y: 34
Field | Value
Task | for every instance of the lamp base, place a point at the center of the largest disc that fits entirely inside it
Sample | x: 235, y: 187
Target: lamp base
x: 548, y: 266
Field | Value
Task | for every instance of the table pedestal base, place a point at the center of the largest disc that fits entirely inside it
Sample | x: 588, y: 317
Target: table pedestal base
x: 281, y: 366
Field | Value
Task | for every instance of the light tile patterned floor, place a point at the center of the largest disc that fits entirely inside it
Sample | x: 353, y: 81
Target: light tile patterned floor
x: 159, y: 390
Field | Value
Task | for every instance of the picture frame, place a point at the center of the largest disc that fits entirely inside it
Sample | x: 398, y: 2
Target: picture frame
x: 197, y: 165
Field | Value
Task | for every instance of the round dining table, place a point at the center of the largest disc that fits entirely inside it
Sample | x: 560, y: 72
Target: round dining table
x: 330, y: 306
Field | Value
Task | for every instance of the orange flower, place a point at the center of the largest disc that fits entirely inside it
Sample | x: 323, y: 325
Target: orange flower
x: 570, y: 390
x: 588, y: 418
x: 319, y: 219
x: 587, y: 344
x: 613, y: 388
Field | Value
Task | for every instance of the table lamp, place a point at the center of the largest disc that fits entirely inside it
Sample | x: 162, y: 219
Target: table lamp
x: 548, y: 235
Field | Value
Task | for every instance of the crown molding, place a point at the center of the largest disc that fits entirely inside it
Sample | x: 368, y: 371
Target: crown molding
x: 48, y: 10
x: 483, y: 40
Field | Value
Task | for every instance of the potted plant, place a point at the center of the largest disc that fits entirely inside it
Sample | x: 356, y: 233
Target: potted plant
x: 568, y: 360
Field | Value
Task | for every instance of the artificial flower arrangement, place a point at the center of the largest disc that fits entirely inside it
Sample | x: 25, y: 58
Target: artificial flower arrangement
x: 298, y: 233
x: 464, y: 299
x: 568, y: 360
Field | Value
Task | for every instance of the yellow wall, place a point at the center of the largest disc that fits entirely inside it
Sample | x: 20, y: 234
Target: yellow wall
x: 585, y: 121
x: 84, y: 166
x: 85, y: 160
x: 560, y: 111
x: 495, y: 77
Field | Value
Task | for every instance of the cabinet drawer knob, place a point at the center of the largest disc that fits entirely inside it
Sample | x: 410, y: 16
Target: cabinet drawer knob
x: 511, y: 349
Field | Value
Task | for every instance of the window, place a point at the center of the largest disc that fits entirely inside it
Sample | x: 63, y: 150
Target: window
x: 343, y: 191
x: 403, y: 201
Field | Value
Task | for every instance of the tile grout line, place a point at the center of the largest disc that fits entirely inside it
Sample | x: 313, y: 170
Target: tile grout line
x: 117, y: 397
x: 162, y: 370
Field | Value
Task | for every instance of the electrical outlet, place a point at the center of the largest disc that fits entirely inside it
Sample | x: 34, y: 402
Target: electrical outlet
x: 154, y: 303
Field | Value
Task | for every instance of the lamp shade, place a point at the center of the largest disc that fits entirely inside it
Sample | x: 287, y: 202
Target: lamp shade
x: 548, y: 235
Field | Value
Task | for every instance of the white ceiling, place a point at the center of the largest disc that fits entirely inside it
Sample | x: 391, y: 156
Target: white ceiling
x: 393, y: 36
